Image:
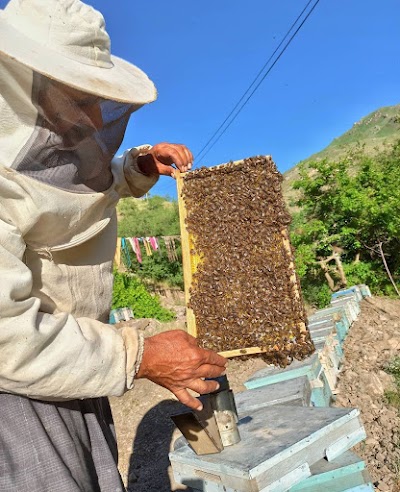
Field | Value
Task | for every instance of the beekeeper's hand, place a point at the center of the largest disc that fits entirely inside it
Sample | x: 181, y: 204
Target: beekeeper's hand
x: 164, y: 158
x: 174, y: 360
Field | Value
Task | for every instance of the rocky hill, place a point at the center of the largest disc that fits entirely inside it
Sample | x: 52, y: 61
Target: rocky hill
x: 371, y: 132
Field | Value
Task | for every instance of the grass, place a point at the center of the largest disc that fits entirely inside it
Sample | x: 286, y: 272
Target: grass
x: 392, y: 397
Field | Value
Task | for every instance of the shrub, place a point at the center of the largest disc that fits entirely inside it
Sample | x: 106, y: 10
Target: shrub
x: 130, y: 292
x: 392, y: 397
x: 318, y: 296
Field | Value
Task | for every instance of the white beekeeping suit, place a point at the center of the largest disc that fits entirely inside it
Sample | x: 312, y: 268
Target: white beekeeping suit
x: 64, y: 106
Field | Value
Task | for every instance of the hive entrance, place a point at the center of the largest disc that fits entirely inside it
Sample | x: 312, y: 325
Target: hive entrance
x: 241, y: 287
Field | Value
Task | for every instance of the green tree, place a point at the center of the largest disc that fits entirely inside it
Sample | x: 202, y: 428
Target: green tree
x: 159, y: 269
x: 153, y: 216
x: 348, y: 226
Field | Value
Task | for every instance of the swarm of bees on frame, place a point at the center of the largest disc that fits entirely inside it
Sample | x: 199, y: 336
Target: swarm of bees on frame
x: 245, y: 292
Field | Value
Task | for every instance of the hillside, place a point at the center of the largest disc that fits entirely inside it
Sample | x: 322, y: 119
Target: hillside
x: 371, y: 132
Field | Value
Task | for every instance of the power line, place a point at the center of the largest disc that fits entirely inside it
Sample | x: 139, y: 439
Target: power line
x: 255, y: 79
x: 199, y: 155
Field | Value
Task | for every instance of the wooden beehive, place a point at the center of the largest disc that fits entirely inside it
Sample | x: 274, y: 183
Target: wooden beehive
x: 242, y: 292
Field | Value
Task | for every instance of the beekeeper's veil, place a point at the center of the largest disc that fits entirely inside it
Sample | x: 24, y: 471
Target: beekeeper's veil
x: 64, y: 100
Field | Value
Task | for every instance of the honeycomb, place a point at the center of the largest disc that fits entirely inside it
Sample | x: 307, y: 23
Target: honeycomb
x: 244, y: 291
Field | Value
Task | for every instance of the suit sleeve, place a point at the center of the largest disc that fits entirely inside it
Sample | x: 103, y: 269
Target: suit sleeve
x: 54, y: 356
x: 128, y: 179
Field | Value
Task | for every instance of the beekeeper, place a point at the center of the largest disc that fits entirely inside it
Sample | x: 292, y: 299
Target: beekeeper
x: 65, y: 102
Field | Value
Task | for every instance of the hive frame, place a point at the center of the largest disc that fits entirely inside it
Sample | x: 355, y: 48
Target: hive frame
x: 190, y: 263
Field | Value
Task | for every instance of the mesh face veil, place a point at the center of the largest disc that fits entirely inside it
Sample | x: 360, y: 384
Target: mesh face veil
x: 56, y: 134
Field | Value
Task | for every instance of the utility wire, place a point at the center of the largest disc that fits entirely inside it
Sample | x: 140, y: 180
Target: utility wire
x: 254, y: 80
x: 203, y: 150
x: 199, y: 157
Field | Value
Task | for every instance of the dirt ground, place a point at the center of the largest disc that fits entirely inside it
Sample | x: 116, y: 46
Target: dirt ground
x: 146, y: 433
x: 373, y: 341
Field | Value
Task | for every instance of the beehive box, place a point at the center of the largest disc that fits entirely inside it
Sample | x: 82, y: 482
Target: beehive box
x: 278, y: 446
x: 242, y: 291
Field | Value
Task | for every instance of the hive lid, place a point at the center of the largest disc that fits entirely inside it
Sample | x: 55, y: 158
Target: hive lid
x: 277, y: 442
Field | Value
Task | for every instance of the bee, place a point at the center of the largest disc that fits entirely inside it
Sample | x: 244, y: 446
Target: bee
x: 242, y: 293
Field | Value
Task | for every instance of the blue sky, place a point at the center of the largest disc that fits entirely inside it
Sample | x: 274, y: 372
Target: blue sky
x: 343, y: 64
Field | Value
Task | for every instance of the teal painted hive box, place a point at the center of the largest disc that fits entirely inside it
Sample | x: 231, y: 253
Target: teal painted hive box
x: 365, y: 291
x: 346, y: 473
x: 350, y: 290
x: 351, y: 302
x: 321, y: 394
x: 279, y: 446
x: 339, y: 315
x: 296, y: 391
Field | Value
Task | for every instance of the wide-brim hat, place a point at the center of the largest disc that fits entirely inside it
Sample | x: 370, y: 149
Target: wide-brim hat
x: 66, y: 40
